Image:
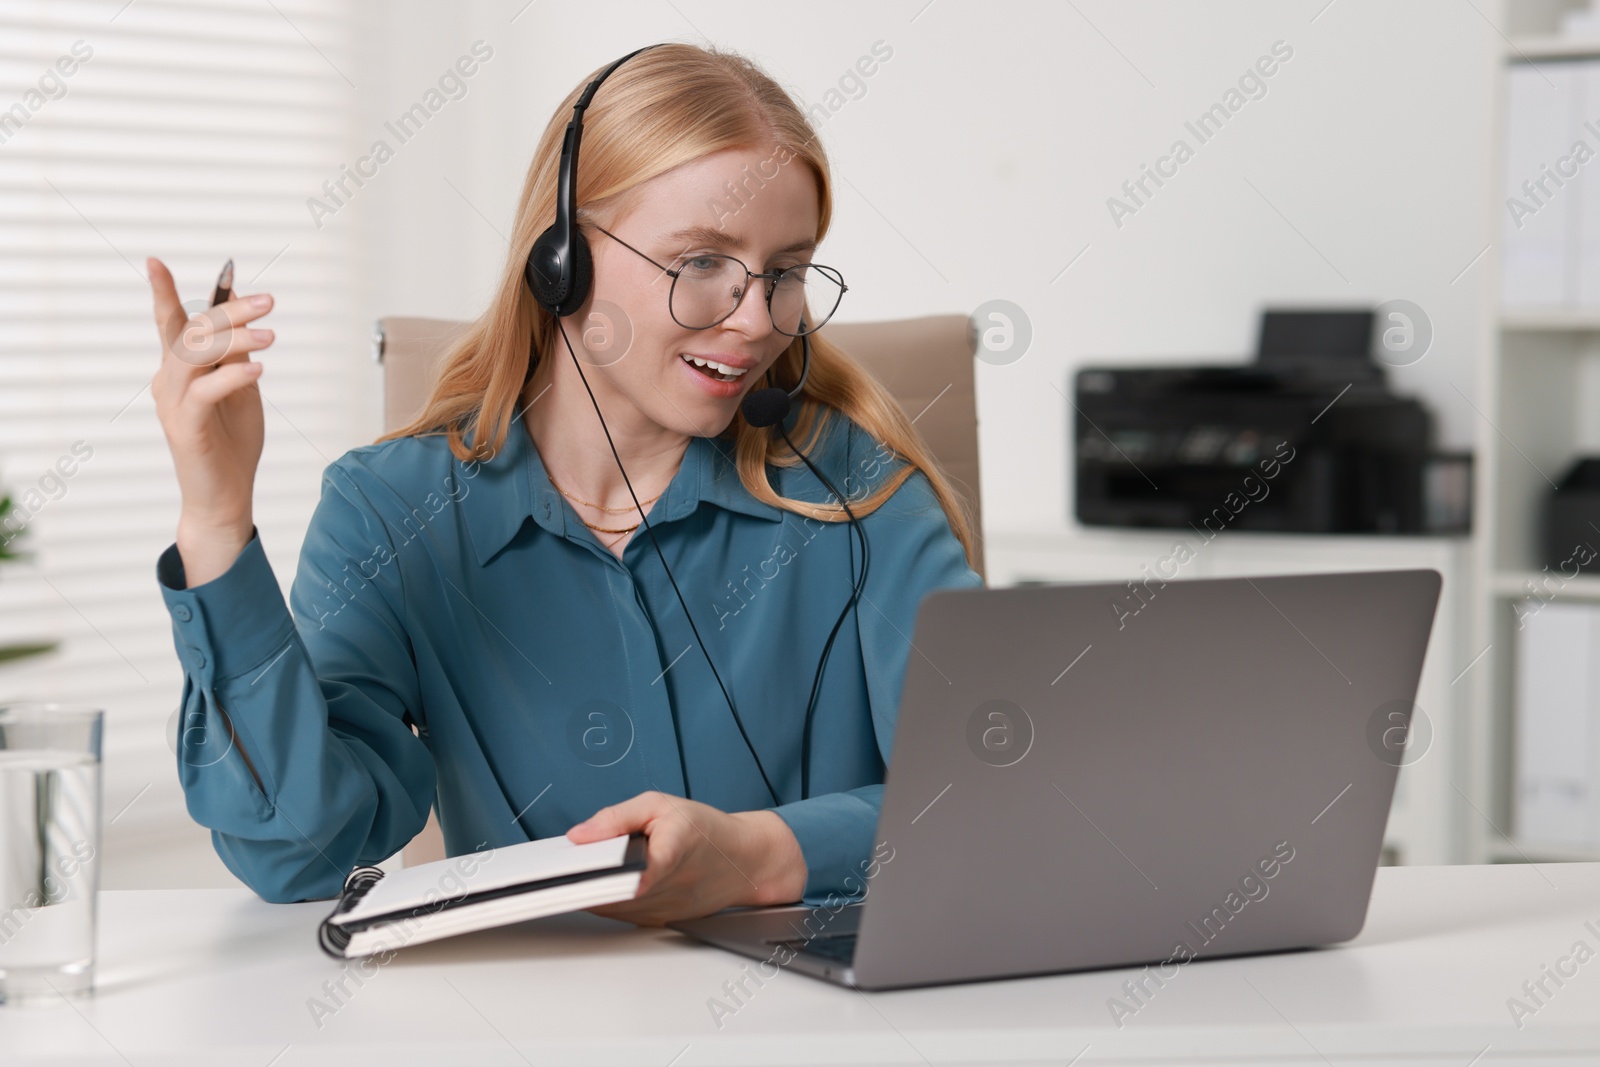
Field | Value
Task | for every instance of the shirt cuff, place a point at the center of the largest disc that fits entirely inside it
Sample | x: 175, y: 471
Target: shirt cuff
x: 835, y: 836
x: 230, y: 624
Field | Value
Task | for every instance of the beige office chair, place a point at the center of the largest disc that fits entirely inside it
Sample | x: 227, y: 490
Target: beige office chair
x: 926, y: 364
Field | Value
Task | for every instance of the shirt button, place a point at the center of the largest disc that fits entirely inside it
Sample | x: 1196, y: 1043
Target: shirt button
x: 199, y: 658
x: 181, y: 612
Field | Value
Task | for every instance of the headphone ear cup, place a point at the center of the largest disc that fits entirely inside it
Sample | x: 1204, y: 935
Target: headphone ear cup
x: 582, y: 275
x: 543, y: 271
x: 559, y: 291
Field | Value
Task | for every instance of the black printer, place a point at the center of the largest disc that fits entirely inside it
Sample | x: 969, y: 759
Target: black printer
x: 1308, y: 438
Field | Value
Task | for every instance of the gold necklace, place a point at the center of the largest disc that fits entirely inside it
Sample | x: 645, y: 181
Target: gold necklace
x: 600, y: 507
x: 593, y: 526
x: 606, y: 529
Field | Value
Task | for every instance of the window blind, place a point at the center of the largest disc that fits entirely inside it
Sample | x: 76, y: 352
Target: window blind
x: 193, y: 132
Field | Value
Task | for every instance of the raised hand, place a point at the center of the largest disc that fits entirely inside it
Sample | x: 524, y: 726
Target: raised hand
x: 210, y: 411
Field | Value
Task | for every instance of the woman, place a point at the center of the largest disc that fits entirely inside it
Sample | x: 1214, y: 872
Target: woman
x: 549, y: 670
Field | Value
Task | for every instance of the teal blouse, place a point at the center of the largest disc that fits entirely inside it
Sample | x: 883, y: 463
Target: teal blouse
x: 469, y: 600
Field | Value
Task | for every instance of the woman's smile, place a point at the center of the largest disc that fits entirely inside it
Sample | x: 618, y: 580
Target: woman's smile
x: 708, y: 379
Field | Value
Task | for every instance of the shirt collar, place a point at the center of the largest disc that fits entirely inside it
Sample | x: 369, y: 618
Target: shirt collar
x: 513, y: 486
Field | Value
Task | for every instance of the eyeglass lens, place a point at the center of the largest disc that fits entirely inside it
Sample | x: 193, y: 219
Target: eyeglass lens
x: 708, y: 288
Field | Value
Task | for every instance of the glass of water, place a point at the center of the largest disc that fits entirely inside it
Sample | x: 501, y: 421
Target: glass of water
x: 49, y: 849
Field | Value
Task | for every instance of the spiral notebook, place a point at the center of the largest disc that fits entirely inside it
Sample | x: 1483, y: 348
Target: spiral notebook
x: 378, y: 912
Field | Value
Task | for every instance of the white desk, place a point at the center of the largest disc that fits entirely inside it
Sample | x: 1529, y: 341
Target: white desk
x: 217, y: 977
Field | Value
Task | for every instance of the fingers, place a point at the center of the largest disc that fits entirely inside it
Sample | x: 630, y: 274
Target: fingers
x: 200, y: 349
x: 637, y: 813
x: 213, y: 386
x: 236, y: 310
x: 217, y: 334
x: 168, y: 311
x: 607, y: 822
x: 211, y: 335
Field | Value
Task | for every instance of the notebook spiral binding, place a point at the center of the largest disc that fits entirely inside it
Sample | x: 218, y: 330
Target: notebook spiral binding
x: 335, y: 939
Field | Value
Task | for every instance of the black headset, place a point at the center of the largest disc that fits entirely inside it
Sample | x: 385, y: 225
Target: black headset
x: 559, y: 273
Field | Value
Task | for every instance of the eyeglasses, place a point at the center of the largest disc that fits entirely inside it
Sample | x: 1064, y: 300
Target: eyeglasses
x: 709, y: 287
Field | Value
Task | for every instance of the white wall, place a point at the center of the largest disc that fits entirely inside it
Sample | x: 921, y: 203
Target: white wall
x: 979, y: 161
x: 977, y: 165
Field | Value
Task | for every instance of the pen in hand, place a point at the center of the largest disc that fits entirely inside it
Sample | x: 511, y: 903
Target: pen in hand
x: 224, y: 284
x: 219, y: 294
x: 211, y: 411
x: 221, y: 291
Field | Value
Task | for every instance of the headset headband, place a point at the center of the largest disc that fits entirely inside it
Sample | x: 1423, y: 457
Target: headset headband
x: 557, y: 271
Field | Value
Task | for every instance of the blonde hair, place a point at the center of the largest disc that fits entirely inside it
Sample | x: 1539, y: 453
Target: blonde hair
x: 671, y: 105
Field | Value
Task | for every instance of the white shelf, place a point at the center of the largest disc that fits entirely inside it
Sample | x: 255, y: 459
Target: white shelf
x: 1503, y: 851
x: 1052, y: 534
x: 1539, y: 387
x: 1513, y: 584
x: 1552, y: 47
x: 1550, y: 320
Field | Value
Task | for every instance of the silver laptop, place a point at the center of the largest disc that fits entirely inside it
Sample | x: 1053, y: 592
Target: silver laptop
x: 1112, y: 775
